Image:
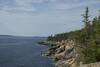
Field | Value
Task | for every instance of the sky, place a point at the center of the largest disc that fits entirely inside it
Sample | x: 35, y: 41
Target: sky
x: 43, y: 17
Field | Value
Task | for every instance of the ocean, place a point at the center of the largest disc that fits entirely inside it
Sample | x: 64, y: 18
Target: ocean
x: 23, y: 52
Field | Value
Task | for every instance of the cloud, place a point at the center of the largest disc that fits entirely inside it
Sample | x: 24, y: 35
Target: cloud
x: 39, y: 24
x: 42, y: 17
x: 17, y: 6
x: 18, y: 9
x: 38, y: 5
x: 70, y: 5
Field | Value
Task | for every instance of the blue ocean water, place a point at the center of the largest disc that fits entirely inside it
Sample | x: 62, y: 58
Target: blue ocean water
x: 22, y: 52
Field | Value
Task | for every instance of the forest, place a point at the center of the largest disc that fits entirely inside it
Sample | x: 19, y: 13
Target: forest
x: 88, y: 38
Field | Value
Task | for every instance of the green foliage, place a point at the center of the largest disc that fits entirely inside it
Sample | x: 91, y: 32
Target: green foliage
x: 88, y: 37
x: 98, y: 54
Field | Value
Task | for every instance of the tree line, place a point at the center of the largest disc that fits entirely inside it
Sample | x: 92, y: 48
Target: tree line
x: 88, y: 37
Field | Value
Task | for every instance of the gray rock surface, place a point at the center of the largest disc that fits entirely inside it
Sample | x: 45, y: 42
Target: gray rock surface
x: 64, y: 54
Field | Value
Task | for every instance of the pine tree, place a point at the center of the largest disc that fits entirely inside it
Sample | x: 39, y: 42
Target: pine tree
x: 87, y: 37
x: 87, y: 22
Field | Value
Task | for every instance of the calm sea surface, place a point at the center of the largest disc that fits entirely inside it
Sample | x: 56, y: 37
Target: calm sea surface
x: 22, y: 52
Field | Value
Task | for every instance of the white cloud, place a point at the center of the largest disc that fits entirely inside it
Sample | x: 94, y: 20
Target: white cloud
x: 42, y: 22
x: 34, y: 5
x: 67, y: 5
x: 18, y: 9
x: 39, y: 24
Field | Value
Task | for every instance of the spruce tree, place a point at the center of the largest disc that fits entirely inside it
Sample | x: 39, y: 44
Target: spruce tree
x: 86, y: 37
x: 87, y: 22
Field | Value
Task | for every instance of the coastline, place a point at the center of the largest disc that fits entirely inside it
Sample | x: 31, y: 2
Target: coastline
x: 63, y: 53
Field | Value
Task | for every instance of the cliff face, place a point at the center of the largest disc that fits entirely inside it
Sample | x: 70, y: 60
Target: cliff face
x: 64, y: 53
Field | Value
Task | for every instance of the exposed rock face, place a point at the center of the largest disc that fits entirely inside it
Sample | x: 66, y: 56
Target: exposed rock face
x: 64, y: 54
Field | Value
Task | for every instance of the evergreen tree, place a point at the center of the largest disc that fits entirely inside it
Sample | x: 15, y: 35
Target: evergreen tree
x: 88, y: 38
x: 87, y: 22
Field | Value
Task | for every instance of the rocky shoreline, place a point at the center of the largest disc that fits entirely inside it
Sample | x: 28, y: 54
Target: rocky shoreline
x: 64, y: 53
